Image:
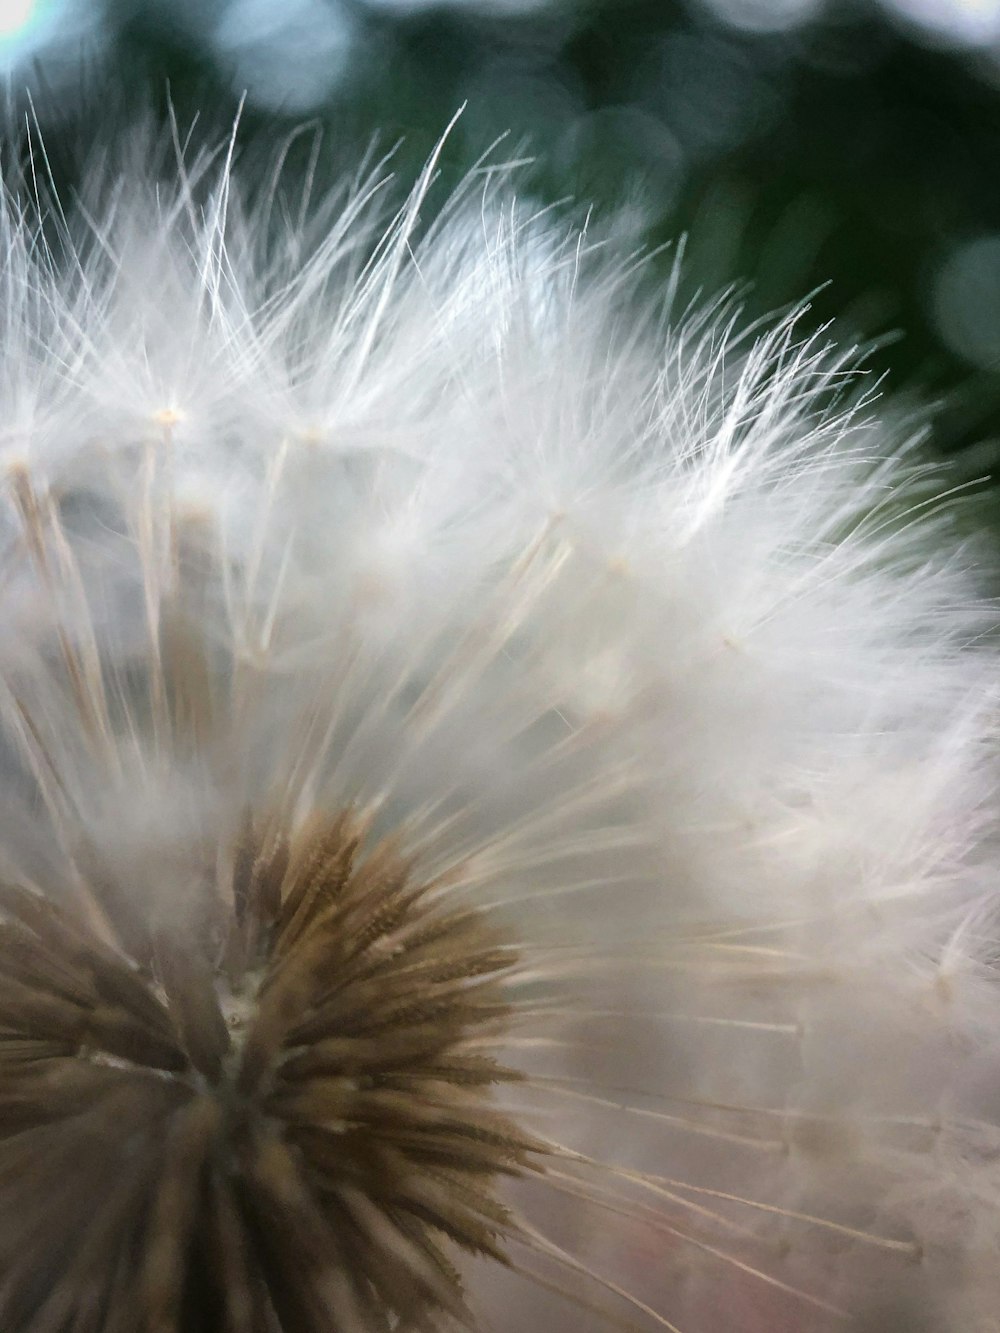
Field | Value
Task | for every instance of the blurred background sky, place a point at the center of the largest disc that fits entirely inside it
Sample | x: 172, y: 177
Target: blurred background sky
x: 851, y: 143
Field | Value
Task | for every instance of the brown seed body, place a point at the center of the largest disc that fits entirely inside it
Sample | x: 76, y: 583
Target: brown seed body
x: 279, y: 1121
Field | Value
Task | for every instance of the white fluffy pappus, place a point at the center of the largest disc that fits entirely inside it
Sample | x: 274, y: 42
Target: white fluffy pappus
x: 499, y: 819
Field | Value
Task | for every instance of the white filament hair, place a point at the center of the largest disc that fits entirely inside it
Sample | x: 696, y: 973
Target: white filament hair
x: 643, y: 634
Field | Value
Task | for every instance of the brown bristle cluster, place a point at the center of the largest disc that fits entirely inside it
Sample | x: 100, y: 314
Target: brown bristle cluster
x: 279, y: 1120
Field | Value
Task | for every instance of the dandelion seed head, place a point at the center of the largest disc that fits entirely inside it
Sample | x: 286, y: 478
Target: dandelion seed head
x: 498, y: 790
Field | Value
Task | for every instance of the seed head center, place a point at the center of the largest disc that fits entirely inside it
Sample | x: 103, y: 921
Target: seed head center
x: 296, y: 1080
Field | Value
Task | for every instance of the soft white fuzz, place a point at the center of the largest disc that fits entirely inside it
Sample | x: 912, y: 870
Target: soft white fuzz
x: 638, y: 635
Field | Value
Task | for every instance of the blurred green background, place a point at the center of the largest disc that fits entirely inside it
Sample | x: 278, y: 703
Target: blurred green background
x: 843, y: 147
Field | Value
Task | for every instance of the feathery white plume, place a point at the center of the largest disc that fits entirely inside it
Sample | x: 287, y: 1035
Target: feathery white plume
x: 498, y: 824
